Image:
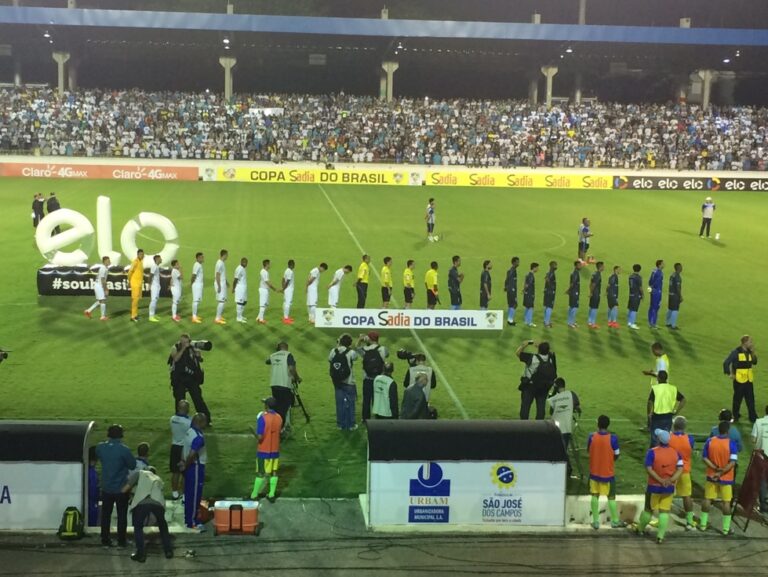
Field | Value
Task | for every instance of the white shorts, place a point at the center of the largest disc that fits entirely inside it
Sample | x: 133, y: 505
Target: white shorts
x: 333, y: 296
x: 176, y: 295
x: 288, y: 297
x: 197, y: 293
x: 154, y: 292
x: 312, y: 298
x: 98, y: 290
x: 263, y: 297
x: 221, y: 296
x: 241, y: 296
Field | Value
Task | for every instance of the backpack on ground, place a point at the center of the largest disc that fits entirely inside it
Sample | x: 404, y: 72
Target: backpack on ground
x: 545, y: 374
x: 72, y: 526
x: 339, y: 368
x: 373, y: 364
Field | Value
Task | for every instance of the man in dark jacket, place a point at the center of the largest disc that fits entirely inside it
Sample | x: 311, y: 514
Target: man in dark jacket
x: 116, y: 462
x: 415, y: 401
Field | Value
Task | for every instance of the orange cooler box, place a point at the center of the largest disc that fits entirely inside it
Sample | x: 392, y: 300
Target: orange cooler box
x: 236, y: 517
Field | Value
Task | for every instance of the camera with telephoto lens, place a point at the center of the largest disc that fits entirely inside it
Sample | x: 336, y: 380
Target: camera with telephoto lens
x: 406, y: 355
x: 201, y: 345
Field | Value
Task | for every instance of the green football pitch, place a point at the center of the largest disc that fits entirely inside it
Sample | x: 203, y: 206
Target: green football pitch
x: 64, y: 366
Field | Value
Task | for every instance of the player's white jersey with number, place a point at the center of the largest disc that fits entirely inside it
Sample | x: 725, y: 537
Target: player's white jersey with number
x: 288, y: 283
x: 101, y: 281
x: 314, y: 276
x: 154, y: 287
x: 335, y: 290
x: 197, y: 284
x: 241, y: 288
x: 176, y: 285
x: 221, y: 271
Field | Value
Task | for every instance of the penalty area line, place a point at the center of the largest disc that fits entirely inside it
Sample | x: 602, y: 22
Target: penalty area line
x: 417, y: 338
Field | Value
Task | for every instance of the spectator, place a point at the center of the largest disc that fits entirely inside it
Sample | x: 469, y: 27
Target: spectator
x: 116, y: 462
x: 415, y: 404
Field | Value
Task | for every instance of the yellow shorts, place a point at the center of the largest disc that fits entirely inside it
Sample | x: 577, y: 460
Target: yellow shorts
x: 602, y: 489
x: 718, y: 491
x: 684, y: 487
x: 267, y: 466
x: 661, y: 501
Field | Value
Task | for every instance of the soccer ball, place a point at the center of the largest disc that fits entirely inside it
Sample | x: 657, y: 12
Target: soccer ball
x: 436, y: 238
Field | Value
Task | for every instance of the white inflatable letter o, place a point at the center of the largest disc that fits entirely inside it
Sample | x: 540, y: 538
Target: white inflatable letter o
x: 150, y: 220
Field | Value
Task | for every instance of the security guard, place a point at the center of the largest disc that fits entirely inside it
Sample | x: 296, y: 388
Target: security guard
x: 663, y: 404
x: 738, y: 366
x: 283, y: 381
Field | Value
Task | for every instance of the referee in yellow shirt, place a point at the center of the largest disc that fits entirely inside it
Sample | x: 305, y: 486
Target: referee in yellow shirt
x: 430, y: 282
x: 363, y: 272
x: 136, y: 280
x: 408, y: 286
x: 386, y: 282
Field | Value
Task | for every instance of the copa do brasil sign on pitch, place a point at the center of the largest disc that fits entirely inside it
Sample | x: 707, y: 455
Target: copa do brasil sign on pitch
x: 59, y: 249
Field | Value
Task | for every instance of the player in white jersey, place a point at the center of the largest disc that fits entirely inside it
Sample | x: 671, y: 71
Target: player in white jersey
x: 220, y: 286
x: 335, y: 287
x: 264, y: 287
x: 100, y: 289
x: 154, y: 288
x: 197, y: 286
x: 312, y: 284
x: 175, y: 289
x: 288, y: 292
x: 240, y: 289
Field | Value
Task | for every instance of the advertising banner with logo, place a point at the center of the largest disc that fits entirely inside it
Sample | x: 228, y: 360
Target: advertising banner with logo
x: 409, y: 319
x: 79, y: 281
x: 93, y: 171
x: 34, y: 495
x: 703, y: 183
x: 518, y: 180
x: 356, y: 175
x: 467, y: 493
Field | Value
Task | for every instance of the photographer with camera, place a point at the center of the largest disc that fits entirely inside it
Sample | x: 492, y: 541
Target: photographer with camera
x: 374, y: 357
x: 283, y: 380
x: 187, y: 373
x: 538, y: 377
x: 418, y: 367
x: 340, y: 359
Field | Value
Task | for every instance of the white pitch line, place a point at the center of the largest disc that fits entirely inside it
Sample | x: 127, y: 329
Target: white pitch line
x: 433, y: 364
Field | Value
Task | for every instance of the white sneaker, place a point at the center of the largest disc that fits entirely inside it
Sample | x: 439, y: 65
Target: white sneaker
x: 634, y: 326
x: 242, y: 320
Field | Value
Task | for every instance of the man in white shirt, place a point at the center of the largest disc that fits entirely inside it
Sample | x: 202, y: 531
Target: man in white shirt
x: 288, y: 292
x: 197, y: 286
x: 175, y: 289
x: 154, y: 288
x: 312, y: 286
x: 220, y: 286
x: 760, y: 442
x: 240, y: 289
x: 335, y: 287
x: 100, y: 289
x: 265, y: 285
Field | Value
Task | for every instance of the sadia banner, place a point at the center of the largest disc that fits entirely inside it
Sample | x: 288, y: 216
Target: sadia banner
x: 79, y: 281
x: 409, y: 319
x: 502, y: 494
x: 320, y: 176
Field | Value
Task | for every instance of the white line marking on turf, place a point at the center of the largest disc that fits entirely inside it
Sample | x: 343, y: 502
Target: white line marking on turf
x: 433, y: 364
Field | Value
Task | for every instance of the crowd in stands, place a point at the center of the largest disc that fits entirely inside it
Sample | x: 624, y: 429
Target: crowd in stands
x: 362, y: 129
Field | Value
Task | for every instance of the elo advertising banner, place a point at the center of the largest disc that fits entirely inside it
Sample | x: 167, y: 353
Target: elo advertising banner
x: 91, y: 171
x: 704, y: 183
x: 320, y: 175
x: 409, y: 319
x: 467, y: 493
x: 34, y: 495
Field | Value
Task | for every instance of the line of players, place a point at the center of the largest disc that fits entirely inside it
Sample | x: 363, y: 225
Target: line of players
x: 239, y: 289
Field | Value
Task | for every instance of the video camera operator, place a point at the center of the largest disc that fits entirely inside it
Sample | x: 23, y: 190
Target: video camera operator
x: 187, y: 373
x: 538, y: 377
x: 420, y: 367
x: 284, y: 380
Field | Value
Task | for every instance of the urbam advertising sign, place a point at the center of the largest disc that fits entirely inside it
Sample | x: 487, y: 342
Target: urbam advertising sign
x: 409, y: 319
x: 498, y: 494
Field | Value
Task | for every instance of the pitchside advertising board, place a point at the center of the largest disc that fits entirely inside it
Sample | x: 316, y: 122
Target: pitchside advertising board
x: 34, y: 495
x: 709, y: 184
x: 498, y: 494
x: 331, y: 318
x: 352, y: 175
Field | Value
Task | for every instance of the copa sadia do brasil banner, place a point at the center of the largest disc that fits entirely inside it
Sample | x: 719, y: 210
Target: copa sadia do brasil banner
x: 378, y: 319
x: 357, y: 175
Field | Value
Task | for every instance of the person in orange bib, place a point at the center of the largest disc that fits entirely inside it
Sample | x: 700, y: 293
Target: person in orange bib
x: 683, y: 443
x: 603, y: 448
x: 136, y: 280
x: 720, y: 457
x: 268, y: 425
